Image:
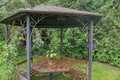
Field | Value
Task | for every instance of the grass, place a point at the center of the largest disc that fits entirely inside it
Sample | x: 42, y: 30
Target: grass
x: 103, y: 71
x: 57, y: 76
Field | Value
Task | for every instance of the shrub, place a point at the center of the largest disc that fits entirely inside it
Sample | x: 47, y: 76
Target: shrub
x: 6, y: 64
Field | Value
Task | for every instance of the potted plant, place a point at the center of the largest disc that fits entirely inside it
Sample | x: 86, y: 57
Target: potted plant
x: 21, y: 41
x: 20, y: 45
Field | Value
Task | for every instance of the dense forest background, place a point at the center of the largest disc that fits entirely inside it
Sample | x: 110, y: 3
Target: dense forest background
x: 106, y: 36
x: 106, y: 32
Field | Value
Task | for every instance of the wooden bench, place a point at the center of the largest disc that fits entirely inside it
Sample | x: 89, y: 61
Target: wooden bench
x: 21, y: 72
x: 79, y: 72
x: 76, y: 72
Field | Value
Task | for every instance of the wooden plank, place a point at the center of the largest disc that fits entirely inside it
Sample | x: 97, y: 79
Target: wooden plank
x: 49, y: 66
x: 71, y: 59
x: 23, y: 61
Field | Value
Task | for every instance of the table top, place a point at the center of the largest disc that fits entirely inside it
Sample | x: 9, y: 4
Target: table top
x: 50, y: 66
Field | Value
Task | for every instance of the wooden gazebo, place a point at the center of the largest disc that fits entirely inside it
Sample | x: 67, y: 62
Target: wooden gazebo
x: 52, y: 17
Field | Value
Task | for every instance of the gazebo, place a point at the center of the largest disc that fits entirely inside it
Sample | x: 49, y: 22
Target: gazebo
x: 47, y: 16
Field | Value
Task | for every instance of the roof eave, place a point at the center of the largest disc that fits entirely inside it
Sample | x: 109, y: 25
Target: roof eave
x: 25, y: 12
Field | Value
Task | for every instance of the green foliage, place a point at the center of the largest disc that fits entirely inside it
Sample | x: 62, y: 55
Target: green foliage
x: 1, y: 33
x: 106, y: 33
x: 7, y: 53
x: 79, y: 50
